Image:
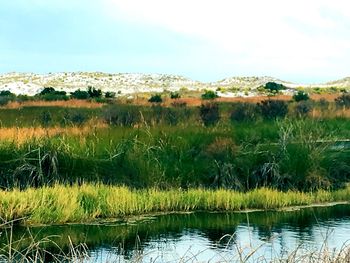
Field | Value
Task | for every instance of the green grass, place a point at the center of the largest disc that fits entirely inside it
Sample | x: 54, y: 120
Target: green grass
x: 284, y: 154
x: 171, y: 148
x: 86, y: 203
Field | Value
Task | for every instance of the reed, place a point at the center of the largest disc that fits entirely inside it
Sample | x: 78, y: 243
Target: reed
x: 73, y: 103
x: 89, y: 202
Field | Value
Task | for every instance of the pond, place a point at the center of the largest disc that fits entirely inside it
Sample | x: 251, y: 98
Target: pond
x: 198, y: 237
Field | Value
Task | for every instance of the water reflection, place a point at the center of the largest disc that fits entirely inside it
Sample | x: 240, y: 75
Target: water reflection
x: 201, y: 236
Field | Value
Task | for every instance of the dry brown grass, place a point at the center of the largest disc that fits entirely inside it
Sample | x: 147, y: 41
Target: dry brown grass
x: 143, y: 101
x: 190, y: 101
x: 331, y: 113
x: 20, y: 135
x: 59, y: 103
x: 327, y: 97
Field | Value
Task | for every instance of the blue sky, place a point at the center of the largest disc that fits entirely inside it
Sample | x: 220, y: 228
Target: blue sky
x: 299, y: 41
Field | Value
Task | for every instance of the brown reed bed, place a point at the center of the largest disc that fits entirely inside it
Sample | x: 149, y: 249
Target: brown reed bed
x: 73, y: 103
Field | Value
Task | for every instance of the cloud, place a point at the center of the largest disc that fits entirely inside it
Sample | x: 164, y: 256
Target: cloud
x: 297, y: 40
x: 280, y: 35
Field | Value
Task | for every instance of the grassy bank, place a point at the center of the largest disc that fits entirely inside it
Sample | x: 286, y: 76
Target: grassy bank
x: 86, y: 203
x: 284, y: 154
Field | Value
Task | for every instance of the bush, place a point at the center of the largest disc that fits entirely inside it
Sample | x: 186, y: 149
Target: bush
x: 244, y: 112
x: 157, y: 98
x: 323, y: 104
x: 50, y: 94
x: 6, y: 96
x: 47, y: 90
x: 272, y: 109
x: 94, y: 93
x: 7, y: 93
x: 209, y: 113
x: 4, y: 100
x: 343, y: 100
x: 80, y: 95
x: 300, y: 96
x: 109, y: 95
x: 45, y: 118
x: 74, y: 118
x: 165, y: 115
x: 54, y: 96
x: 22, y: 97
x: 175, y: 95
x: 303, y: 108
x: 274, y: 87
x: 209, y: 95
x: 121, y: 115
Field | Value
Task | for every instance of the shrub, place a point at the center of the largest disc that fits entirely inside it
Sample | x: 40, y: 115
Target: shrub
x: 50, y: 94
x: 343, y: 100
x: 22, y: 97
x: 165, y: 115
x: 323, y: 104
x: 274, y: 87
x: 300, y: 96
x: 80, y: 94
x: 272, y: 109
x: 7, y: 93
x: 121, y: 115
x: 47, y: 90
x: 94, y: 93
x: 244, y: 112
x: 109, y: 95
x: 209, y: 113
x: 74, y: 117
x: 303, y: 108
x: 54, y: 96
x: 175, y: 95
x: 45, y: 118
x: 209, y: 95
x: 157, y: 98
x: 6, y: 96
x: 4, y: 100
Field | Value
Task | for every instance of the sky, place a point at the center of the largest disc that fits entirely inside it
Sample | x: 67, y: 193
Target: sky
x: 302, y: 41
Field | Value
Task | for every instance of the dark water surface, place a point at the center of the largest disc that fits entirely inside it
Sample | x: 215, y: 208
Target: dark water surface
x: 205, y: 237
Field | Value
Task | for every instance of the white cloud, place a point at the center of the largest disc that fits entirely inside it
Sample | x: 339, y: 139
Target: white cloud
x: 283, y: 35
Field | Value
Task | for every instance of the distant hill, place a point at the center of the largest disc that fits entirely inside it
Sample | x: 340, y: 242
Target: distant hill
x: 249, y: 82
x: 341, y: 83
x: 129, y: 83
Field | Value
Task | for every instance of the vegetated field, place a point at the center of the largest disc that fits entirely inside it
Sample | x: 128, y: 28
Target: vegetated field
x: 241, y: 146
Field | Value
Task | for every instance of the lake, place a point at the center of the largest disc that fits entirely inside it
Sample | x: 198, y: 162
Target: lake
x: 198, y: 237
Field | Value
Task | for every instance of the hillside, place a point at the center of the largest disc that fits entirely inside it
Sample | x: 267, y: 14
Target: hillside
x: 129, y: 83
x: 341, y: 83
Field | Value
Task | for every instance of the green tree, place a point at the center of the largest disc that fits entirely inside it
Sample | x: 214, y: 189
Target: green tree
x: 209, y: 95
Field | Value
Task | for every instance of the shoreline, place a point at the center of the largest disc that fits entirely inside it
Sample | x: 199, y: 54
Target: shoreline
x: 101, y: 204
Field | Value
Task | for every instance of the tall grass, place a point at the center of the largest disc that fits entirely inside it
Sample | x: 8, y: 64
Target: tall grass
x: 85, y: 203
x: 72, y: 103
x: 285, y: 155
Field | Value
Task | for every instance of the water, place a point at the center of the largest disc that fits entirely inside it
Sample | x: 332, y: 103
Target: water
x: 198, y: 237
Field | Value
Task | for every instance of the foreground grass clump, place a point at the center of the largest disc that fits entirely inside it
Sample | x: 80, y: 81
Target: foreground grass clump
x: 62, y: 204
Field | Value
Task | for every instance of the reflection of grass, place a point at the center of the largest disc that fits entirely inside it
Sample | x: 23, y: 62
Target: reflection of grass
x: 32, y: 245
x: 60, y: 204
x: 212, y: 225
